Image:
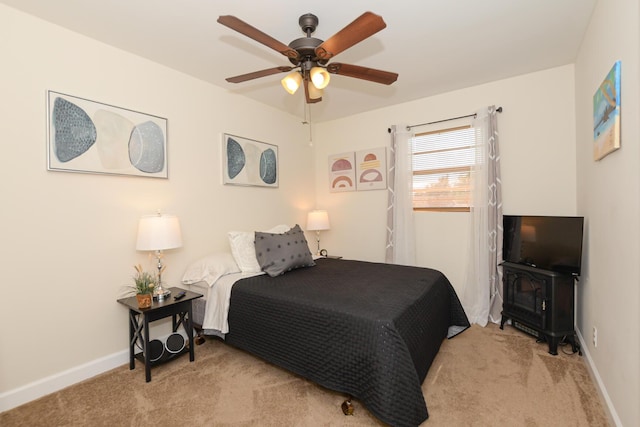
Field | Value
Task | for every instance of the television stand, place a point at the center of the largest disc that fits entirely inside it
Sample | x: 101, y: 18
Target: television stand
x: 540, y: 303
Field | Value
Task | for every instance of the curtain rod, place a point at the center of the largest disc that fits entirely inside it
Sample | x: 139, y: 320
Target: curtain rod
x: 499, y: 110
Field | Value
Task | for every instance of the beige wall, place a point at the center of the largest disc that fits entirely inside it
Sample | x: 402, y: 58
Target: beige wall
x: 608, y: 196
x: 537, y: 143
x: 68, y: 240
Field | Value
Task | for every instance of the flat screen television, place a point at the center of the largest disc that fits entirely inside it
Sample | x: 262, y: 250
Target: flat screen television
x: 548, y: 242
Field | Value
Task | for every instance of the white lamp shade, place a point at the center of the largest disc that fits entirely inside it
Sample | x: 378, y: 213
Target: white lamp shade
x: 291, y: 82
x: 318, y: 220
x: 158, y: 232
x: 320, y: 77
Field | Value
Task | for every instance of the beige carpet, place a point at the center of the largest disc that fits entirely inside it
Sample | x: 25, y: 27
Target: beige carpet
x: 483, y: 377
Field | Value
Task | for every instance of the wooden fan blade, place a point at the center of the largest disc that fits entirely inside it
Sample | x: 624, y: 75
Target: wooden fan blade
x: 364, y: 73
x: 257, y: 35
x: 258, y: 74
x: 364, y: 26
x: 310, y: 100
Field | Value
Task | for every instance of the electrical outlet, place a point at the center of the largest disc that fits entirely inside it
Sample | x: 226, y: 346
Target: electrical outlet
x: 595, y: 336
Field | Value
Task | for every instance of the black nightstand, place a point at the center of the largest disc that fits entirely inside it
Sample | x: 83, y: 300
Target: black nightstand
x: 139, y: 319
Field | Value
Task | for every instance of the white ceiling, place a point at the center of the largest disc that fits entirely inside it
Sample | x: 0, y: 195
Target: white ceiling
x: 435, y: 46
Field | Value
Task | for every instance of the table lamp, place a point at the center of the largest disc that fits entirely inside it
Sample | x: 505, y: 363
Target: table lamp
x: 158, y: 233
x: 318, y: 220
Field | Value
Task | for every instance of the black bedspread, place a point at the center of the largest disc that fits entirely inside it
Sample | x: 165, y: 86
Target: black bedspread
x: 366, y: 329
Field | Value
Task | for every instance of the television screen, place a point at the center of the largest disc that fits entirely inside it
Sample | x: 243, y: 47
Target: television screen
x: 548, y: 242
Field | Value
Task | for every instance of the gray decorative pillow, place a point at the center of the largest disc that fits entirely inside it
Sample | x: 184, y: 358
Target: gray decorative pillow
x: 279, y: 253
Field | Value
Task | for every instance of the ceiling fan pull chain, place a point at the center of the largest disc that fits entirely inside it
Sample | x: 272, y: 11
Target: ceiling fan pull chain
x: 304, y: 110
x: 306, y: 107
x: 310, y: 131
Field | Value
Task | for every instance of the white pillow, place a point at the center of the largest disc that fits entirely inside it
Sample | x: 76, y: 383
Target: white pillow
x: 243, y: 248
x: 210, y: 268
x: 279, y: 229
x: 244, y: 251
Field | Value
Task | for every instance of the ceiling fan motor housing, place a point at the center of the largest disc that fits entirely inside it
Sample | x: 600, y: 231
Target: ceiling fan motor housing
x: 306, y: 47
x: 308, y: 22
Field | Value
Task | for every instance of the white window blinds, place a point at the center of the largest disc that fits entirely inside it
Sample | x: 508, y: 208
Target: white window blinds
x: 442, y: 161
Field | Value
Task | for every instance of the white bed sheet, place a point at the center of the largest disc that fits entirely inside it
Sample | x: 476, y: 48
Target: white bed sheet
x: 216, y: 313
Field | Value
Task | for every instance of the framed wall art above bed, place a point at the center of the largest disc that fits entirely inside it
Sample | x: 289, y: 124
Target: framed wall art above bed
x: 342, y: 172
x: 249, y: 162
x: 371, y: 169
x: 358, y: 170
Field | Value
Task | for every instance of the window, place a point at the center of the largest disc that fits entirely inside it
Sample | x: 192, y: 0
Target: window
x: 441, y: 162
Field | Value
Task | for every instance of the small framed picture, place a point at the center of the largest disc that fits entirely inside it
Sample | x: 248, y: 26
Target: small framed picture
x: 342, y: 172
x: 606, y: 115
x: 371, y: 169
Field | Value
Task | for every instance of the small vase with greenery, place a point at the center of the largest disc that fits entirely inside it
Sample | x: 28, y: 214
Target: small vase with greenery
x: 144, y: 282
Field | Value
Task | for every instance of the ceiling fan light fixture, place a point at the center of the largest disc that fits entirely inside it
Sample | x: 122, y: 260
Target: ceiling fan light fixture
x: 310, y: 56
x: 314, y: 92
x: 320, y: 77
x: 292, y: 82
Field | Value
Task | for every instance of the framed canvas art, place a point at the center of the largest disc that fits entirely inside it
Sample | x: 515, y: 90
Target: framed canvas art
x: 606, y: 115
x: 342, y: 172
x: 92, y: 137
x: 371, y: 169
x: 249, y: 162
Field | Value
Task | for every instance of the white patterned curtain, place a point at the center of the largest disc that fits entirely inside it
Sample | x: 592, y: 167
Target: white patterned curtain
x: 400, y: 247
x: 482, y: 296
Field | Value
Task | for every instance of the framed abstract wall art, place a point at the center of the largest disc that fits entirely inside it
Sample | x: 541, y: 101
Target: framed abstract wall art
x: 606, y: 115
x: 342, y: 172
x: 92, y: 137
x: 371, y: 169
x: 249, y: 162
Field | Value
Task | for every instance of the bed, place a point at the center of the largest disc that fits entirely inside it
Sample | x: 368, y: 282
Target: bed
x: 370, y: 330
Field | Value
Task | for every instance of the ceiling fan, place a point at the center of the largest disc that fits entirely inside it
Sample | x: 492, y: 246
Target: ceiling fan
x: 310, y: 56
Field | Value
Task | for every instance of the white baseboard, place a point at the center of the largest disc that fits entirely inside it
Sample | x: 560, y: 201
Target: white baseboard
x: 53, y: 383
x: 610, y: 409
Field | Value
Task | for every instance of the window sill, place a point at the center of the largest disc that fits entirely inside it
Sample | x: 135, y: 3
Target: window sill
x: 442, y: 209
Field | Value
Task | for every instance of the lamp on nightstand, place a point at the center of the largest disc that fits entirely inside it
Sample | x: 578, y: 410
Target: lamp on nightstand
x: 158, y: 233
x: 318, y: 220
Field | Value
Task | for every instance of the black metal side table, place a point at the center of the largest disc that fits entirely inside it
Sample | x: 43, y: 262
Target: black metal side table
x: 139, y: 319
